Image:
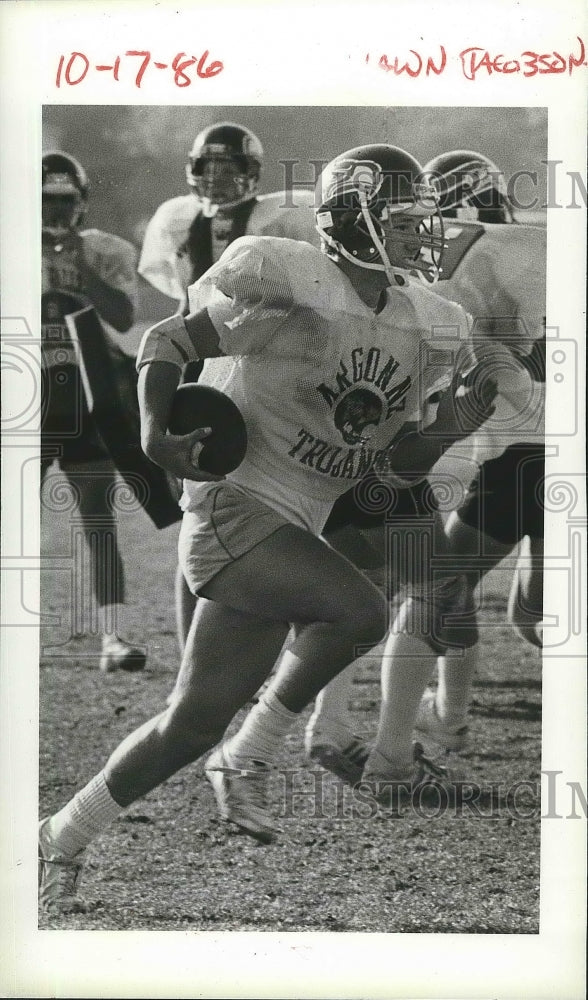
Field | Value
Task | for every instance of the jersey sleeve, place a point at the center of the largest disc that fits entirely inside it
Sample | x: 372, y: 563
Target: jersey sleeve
x: 114, y: 260
x: 248, y: 295
x: 166, y: 232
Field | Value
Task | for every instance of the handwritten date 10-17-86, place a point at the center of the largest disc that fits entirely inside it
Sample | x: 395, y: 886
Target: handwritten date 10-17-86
x: 73, y: 69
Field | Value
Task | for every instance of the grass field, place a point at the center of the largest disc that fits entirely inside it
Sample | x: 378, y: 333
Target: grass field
x: 170, y: 864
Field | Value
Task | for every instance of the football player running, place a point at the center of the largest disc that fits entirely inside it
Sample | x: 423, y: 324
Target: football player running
x: 82, y: 267
x: 296, y: 338
x: 497, y: 272
x: 502, y: 284
x: 188, y: 234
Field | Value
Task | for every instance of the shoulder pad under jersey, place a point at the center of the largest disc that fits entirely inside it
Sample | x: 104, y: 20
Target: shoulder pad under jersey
x: 113, y: 259
x: 287, y: 214
x: 501, y: 282
x: 166, y: 232
x: 274, y: 272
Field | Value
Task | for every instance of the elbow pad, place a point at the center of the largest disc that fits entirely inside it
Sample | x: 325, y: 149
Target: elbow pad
x: 167, y: 341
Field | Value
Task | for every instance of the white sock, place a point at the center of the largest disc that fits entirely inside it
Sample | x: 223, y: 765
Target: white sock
x: 454, y: 685
x: 110, y: 616
x: 406, y: 669
x: 263, y: 732
x: 83, y: 818
x: 331, y: 716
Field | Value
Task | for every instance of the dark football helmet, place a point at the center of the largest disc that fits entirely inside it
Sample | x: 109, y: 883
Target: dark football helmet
x: 64, y: 194
x: 470, y: 186
x: 374, y: 210
x: 225, y: 165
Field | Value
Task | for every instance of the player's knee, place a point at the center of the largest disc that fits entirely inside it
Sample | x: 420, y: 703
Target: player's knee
x: 369, y: 618
x: 445, y: 615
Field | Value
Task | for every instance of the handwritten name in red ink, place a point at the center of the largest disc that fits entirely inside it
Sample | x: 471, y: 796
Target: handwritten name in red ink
x: 474, y: 60
x: 73, y: 69
x: 416, y: 65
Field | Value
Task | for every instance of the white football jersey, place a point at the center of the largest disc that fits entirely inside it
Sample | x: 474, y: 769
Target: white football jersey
x: 501, y: 283
x: 324, y: 384
x: 164, y: 262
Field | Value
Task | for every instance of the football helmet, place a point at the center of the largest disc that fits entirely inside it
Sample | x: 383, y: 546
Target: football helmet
x: 373, y: 209
x: 64, y: 194
x: 225, y: 165
x: 470, y: 186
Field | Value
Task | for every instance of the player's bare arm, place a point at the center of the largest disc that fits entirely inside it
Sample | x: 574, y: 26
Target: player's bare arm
x: 165, y: 349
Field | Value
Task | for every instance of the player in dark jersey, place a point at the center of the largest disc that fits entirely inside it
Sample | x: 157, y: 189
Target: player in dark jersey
x: 82, y: 267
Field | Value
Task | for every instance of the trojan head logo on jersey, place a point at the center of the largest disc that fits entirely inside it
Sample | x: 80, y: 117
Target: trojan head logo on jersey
x: 359, y: 410
x: 362, y: 368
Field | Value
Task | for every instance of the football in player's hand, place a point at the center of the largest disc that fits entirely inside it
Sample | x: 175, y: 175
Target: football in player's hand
x: 196, y: 405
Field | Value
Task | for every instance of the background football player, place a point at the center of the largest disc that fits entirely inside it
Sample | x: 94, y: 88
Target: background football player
x: 470, y: 187
x: 502, y: 284
x: 82, y: 267
x: 498, y: 274
x: 189, y: 233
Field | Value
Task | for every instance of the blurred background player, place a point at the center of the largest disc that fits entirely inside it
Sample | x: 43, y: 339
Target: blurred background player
x: 189, y: 233
x: 470, y: 186
x: 498, y: 274
x: 82, y: 267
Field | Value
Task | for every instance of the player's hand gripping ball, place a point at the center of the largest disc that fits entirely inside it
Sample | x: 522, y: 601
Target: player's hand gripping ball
x: 197, y: 405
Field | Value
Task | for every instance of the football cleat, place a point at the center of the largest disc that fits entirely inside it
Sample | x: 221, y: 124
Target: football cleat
x: 242, y: 794
x: 119, y: 655
x: 58, y: 878
x: 429, y: 726
x: 346, y: 762
x: 427, y: 783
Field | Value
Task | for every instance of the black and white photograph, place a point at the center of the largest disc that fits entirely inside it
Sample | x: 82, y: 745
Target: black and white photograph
x: 300, y: 565
x: 309, y: 671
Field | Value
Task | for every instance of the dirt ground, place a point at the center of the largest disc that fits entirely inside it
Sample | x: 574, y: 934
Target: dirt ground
x: 170, y: 864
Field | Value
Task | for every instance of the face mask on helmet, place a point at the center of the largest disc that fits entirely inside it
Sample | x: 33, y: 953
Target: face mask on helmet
x: 63, y: 195
x: 61, y: 214
x: 470, y: 187
x: 224, y: 166
x: 375, y: 212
